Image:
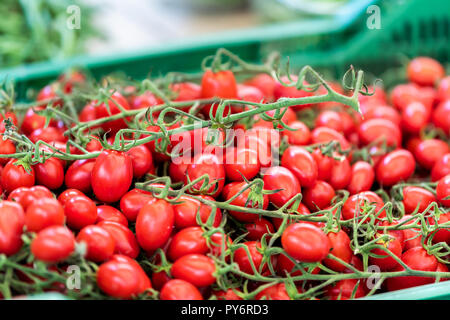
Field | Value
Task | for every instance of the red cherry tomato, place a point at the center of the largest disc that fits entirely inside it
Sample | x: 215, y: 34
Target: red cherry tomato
x: 67, y: 194
x: 178, y: 289
x: 196, y: 269
x: 12, y: 221
x: 341, y: 173
x: 102, y: 111
x: 301, y: 136
x: 379, y: 130
x: 326, y: 135
x: 305, y: 242
x: 387, y: 262
x: 78, y: 175
x: 282, y: 91
x: 441, y: 168
x: 429, y: 151
x: 330, y: 119
x: 53, y: 244
x: 415, y: 117
x: 99, y: 243
x: 126, y: 243
x: 187, y: 241
x: 210, y: 165
x: 355, y: 204
x: 275, y: 292
x: 443, y: 191
x: 220, y: 84
x: 440, y: 117
x: 443, y: 91
x: 14, y: 176
x: 265, y: 83
x: 281, y: 178
x: 50, y: 173
x: 318, y: 196
x: 302, y: 164
x: 258, y: 228
x: 108, y: 213
x: 80, y: 211
x: 142, y: 160
x: 363, y: 176
x: 154, y: 224
x: 340, y: 247
x: 133, y: 201
x: 396, y: 166
x: 343, y: 290
x: 6, y: 147
x: 241, y: 163
x: 324, y: 165
x: 242, y: 258
x: 111, y: 176
x: 26, y: 196
x: 416, y: 198
x: 186, y: 212
x: 425, y: 71
x: 43, y: 213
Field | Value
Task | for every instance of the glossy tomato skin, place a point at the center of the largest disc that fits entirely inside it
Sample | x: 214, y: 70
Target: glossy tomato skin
x: 396, y: 166
x: 186, y: 212
x: 103, y: 111
x: 132, y: 202
x: 80, y: 212
x: 43, y: 213
x: 26, y: 196
x: 276, y: 178
x: 344, y: 289
x: 210, y: 165
x: 340, y: 247
x: 6, y: 147
x: 15, y: 176
x: 415, y: 117
x: 122, y: 277
x: 242, y: 258
x: 416, y: 198
x: 440, y: 117
x: 429, y: 151
x: 78, y: 175
x: 275, y: 292
x: 354, y: 205
x: 230, y: 294
x: 240, y: 163
x: 141, y: 159
x: 195, y: 268
x: 108, y: 213
x: 265, y: 83
x: 387, y: 262
x: 319, y: 196
x: 12, y: 221
x: 220, y: 84
x: 363, y: 176
x: 53, y: 244
x: 441, y: 168
x: 112, y: 175
x: 67, y: 194
x: 187, y: 241
x: 154, y: 224
x: 50, y: 173
x: 443, y: 190
x: 380, y: 130
x: 324, y: 165
x: 302, y: 164
x: 178, y: 289
x: 326, y: 135
x: 231, y: 190
x: 416, y: 258
x: 100, y: 244
x: 125, y: 241
x: 301, y: 136
x: 341, y: 173
x: 258, y: 228
x: 425, y: 71
x: 305, y: 242
x: 286, y: 266
x: 443, y: 91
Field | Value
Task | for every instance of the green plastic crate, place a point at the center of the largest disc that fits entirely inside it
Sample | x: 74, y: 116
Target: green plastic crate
x: 409, y: 28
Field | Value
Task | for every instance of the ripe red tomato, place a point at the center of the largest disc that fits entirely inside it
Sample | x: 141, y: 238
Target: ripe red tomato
x: 100, y: 244
x: 265, y: 83
x: 145, y: 100
x: 341, y: 173
x: 302, y: 164
x: 154, y: 224
x: 53, y: 244
x: 281, y: 178
x: 301, y: 136
x: 396, y: 166
x: 324, y: 165
x: 221, y: 84
x: 133, y: 201
x: 443, y: 191
x: 286, y: 266
x: 275, y: 292
x: 355, y: 203
x: 343, y: 289
x: 122, y: 277
x: 425, y: 71
x: 112, y: 175
x: 48, y: 134
x: 380, y: 130
x: 416, y: 198
x: 159, y: 279
x: 197, y: 269
x: 404, y: 94
x: 240, y: 163
x: 416, y: 258
x: 26, y: 196
x: 210, y: 165
x: 319, y: 196
x: 189, y: 240
x: 429, y: 151
x: 78, y: 175
x: 441, y: 168
x: 382, y: 112
x: 67, y: 194
x: 231, y: 190
x: 102, y: 111
x: 258, y: 228
x: 80, y: 212
x: 108, y: 213
x: 443, y: 91
x: 282, y: 91
x: 230, y: 294
x: 440, y: 117
x: 305, y: 242
x: 15, y: 176
x: 330, y: 119
x: 43, y: 213
x: 6, y: 147
x: 340, y: 247
x: 363, y: 176
x: 387, y: 262
x: 415, y: 117
x: 126, y: 243
x: 50, y: 173
x: 326, y: 135
x: 178, y: 289
x: 243, y: 259
x: 302, y: 210
x: 186, y: 212
x: 142, y: 160
x: 12, y: 221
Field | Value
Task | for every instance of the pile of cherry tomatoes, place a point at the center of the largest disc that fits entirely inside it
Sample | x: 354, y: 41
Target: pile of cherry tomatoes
x: 351, y: 192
